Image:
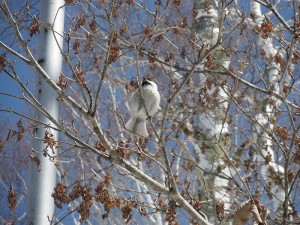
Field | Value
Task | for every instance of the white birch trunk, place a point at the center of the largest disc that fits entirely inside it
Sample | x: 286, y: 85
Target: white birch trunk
x: 265, y: 142
x: 42, y: 180
x: 212, y: 126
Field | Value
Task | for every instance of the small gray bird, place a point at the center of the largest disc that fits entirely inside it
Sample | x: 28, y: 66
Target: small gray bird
x: 151, y: 97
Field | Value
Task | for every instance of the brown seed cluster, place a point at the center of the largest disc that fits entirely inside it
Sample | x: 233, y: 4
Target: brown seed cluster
x: 101, y: 194
x: 207, y: 6
x: 171, y: 213
x: 60, y: 196
x: 34, y: 27
x: 86, y: 203
x: 210, y: 64
x: 122, y: 149
x: 130, y: 2
x: 35, y: 159
x: 178, y: 2
x: 265, y: 29
x: 282, y: 132
x: 62, y: 83
x: 93, y: 25
x: 148, y: 31
x: 80, y: 21
x: 12, y: 198
x: 278, y: 59
x: 76, y: 46
x: 296, y: 157
x: 49, y: 140
x: 84, y: 191
x: 21, y: 130
x: 159, y: 37
x: 100, y: 146
x: 114, y: 53
x: 89, y: 46
x: 152, y: 56
x: 122, y: 30
x: 297, y: 29
x: 2, y: 60
x: 79, y: 74
x: 72, y: 2
x: 220, y: 209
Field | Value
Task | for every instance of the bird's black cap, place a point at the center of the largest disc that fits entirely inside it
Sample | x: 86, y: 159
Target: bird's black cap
x: 145, y: 81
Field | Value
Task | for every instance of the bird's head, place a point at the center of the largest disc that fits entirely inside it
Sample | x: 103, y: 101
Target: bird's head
x: 147, y: 81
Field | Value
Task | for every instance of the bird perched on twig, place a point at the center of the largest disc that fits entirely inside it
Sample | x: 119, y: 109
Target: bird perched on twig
x: 143, y: 105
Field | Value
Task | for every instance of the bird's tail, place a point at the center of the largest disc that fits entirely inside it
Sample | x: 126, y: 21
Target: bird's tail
x: 137, y: 125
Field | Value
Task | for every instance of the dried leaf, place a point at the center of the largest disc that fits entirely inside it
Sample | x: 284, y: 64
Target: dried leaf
x: 242, y: 214
x: 255, y: 214
x: 264, y: 214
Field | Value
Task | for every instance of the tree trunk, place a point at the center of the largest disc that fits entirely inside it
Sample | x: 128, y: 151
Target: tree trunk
x: 265, y: 142
x: 213, y: 129
x: 42, y: 178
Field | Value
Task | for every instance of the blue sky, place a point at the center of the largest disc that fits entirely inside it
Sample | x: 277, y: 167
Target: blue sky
x: 9, y: 86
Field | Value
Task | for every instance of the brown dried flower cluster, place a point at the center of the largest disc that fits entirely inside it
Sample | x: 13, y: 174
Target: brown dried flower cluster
x: 93, y: 25
x: 130, y: 2
x: 296, y: 156
x: 2, y: 60
x: 80, y: 21
x: 210, y: 64
x: 101, y: 194
x: 72, y: 2
x: 148, y: 31
x: 84, y: 191
x: 282, y: 132
x: 122, y: 30
x: 60, y: 196
x: 34, y: 27
x: 152, y: 56
x: 35, y: 159
x: 171, y: 213
x: 122, y: 149
x: 21, y: 130
x: 49, y: 140
x: 266, y: 28
x: 220, y: 209
x: 207, y: 6
x: 278, y: 59
x: 100, y: 146
x: 114, y: 53
x: 76, y: 46
x: 86, y: 203
x: 178, y: 2
x: 62, y: 83
x: 90, y: 42
x: 79, y: 74
x: 12, y: 198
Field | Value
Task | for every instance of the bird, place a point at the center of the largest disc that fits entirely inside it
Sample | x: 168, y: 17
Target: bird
x: 143, y: 105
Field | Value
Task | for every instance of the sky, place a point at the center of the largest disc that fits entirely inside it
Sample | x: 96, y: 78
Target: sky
x: 9, y: 86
